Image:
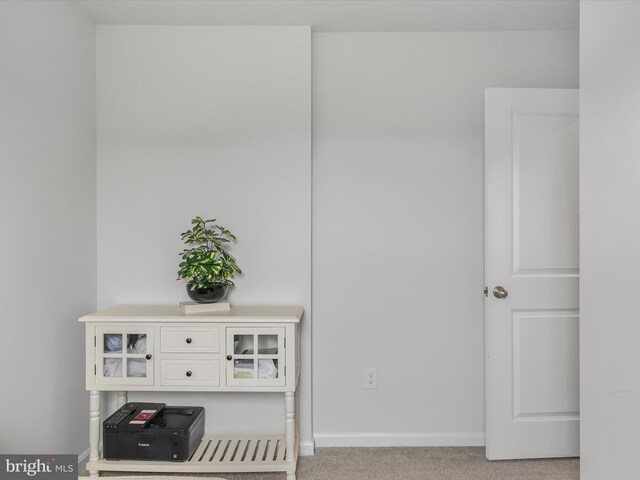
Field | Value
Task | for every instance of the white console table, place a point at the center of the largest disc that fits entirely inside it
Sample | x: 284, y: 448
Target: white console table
x: 158, y: 348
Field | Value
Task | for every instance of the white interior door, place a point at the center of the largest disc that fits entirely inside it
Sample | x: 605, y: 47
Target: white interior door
x: 531, y: 188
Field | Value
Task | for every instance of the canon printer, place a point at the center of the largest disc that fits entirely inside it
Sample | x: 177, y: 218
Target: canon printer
x: 153, y: 431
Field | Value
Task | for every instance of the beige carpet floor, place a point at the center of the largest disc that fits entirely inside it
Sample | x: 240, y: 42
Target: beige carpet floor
x: 434, y: 463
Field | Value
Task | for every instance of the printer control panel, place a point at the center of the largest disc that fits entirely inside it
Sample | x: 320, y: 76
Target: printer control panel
x: 134, y: 415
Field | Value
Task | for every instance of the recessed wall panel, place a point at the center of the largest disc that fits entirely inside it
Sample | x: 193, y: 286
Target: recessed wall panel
x: 212, y: 121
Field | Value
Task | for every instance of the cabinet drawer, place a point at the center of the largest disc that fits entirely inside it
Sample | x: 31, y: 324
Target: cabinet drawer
x: 190, y: 339
x: 190, y: 372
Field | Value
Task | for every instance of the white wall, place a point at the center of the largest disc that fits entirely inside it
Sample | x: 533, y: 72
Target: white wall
x: 398, y: 146
x: 48, y: 213
x: 609, y: 239
x: 210, y: 121
x: 398, y: 225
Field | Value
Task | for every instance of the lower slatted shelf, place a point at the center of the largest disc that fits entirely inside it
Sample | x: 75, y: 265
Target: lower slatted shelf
x: 239, y: 453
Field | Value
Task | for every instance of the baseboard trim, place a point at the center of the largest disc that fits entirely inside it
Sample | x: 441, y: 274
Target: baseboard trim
x: 445, y: 439
x: 307, y: 449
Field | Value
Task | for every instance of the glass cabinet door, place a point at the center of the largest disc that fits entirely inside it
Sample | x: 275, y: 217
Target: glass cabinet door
x: 255, y: 356
x: 124, y: 355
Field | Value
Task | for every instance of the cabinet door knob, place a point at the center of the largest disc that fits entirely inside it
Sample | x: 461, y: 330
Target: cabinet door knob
x: 229, y: 357
x: 148, y: 357
x: 189, y: 373
x: 189, y: 340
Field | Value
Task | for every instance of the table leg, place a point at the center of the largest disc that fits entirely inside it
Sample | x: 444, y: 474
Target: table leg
x: 290, y: 430
x: 94, y: 429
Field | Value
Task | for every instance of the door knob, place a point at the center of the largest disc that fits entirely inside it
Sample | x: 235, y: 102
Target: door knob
x: 500, y: 292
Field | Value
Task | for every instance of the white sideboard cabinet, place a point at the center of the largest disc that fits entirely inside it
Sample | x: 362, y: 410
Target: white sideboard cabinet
x: 158, y: 348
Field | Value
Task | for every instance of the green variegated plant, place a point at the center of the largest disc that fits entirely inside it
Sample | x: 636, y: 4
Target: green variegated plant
x: 206, y: 262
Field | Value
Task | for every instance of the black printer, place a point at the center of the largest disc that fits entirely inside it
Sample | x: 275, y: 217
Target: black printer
x: 152, y: 431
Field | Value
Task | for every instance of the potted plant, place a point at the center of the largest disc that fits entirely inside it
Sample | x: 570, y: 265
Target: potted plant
x: 206, y: 264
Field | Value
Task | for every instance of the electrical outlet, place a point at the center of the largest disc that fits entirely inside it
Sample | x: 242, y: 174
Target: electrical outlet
x: 370, y: 378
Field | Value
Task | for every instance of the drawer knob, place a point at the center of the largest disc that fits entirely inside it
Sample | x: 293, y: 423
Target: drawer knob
x: 148, y: 357
x: 189, y: 340
x: 229, y: 357
x: 189, y: 373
